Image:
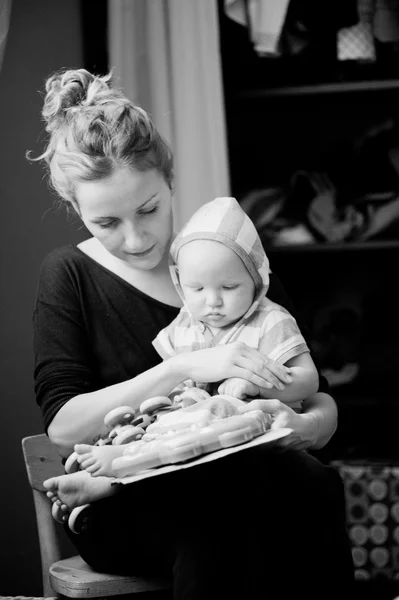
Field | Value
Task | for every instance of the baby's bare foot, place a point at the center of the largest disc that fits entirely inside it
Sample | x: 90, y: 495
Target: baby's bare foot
x: 76, y: 489
x: 60, y: 511
x: 97, y: 460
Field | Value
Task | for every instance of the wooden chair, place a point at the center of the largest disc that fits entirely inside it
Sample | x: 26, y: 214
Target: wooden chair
x: 70, y: 577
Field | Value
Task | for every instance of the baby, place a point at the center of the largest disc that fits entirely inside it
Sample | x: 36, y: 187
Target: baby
x: 221, y: 272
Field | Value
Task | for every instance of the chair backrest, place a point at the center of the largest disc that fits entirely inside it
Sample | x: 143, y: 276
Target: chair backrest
x: 74, y: 579
x: 43, y: 461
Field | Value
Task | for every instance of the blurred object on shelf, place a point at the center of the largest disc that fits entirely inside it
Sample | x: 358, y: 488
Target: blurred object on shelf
x: 263, y: 205
x: 264, y: 19
x: 357, y: 42
x: 362, y: 220
x: 285, y: 27
x: 336, y: 331
x: 355, y: 197
x: 293, y: 235
x: 273, y: 218
x: 342, y: 376
x: 314, y: 216
x: 386, y: 21
x: 309, y: 42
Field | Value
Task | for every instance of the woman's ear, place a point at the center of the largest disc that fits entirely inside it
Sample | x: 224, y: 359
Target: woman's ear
x: 172, y: 186
x: 73, y: 205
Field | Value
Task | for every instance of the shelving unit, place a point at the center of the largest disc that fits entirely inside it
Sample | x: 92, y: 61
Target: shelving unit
x: 275, y: 130
x: 340, y: 87
x: 370, y: 245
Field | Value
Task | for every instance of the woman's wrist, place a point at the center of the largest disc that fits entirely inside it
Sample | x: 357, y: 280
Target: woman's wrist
x: 177, y: 367
x: 325, y: 418
x: 310, y: 433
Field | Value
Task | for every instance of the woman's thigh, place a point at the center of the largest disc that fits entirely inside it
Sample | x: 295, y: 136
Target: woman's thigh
x: 287, y: 509
x: 226, y: 524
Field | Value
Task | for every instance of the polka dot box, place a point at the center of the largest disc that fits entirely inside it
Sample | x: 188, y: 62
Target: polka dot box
x: 372, y: 513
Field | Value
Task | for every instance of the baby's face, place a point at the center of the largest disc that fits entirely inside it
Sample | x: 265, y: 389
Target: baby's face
x: 217, y: 287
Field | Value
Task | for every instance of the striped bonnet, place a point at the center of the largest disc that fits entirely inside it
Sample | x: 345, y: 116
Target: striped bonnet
x: 223, y: 220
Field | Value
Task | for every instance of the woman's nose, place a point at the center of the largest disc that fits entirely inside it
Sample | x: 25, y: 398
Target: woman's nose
x: 134, y: 239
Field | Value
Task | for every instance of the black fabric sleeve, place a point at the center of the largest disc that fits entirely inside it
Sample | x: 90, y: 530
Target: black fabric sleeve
x: 278, y: 294
x: 62, y: 358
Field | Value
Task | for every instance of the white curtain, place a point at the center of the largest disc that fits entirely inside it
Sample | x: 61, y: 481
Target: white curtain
x: 5, y: 10
x: 165, y: 54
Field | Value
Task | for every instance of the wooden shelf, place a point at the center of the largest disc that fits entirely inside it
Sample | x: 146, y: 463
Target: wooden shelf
x: 321, y: 88
x: 335, y: 247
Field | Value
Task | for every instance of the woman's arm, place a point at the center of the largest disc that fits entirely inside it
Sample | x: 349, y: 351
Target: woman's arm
x: 320, y: 408
x: 81, y: 419
x: 312, y: 429
x: 305, y: 381
x: 317, y: 424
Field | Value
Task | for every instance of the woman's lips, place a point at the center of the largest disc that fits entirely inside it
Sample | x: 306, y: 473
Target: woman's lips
x: 144, y: 253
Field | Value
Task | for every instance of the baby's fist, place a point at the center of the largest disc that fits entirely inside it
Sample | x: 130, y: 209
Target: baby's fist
x: 239, y: 388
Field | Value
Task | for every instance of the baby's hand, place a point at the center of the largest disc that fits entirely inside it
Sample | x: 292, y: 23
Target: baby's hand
x: 190, y: 395
x: 239, y: 388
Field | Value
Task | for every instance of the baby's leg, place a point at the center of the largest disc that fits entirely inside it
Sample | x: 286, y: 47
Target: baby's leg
x: 76, y: 489
x: 97, y: 460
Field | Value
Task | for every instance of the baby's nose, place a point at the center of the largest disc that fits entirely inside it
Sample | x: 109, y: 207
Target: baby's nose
x: 214, y: 299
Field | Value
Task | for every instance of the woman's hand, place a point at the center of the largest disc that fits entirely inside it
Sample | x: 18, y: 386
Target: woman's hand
x: 233, y: 360
x: 305, y: 426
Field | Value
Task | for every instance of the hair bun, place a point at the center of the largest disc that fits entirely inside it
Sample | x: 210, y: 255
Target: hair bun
x: 64, y: 90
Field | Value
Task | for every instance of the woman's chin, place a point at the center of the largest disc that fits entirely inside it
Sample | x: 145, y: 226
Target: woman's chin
x: 145, y: 263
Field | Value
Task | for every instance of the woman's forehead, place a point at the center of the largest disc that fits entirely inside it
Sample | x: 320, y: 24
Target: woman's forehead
x: 124, y: 189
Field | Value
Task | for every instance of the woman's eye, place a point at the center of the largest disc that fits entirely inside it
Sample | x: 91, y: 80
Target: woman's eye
x: 107, y: 225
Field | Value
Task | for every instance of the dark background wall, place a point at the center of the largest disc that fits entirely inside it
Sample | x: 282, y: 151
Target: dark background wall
x: 44, y: 36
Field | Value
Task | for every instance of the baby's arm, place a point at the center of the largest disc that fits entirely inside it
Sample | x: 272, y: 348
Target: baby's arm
x: 305, y: 380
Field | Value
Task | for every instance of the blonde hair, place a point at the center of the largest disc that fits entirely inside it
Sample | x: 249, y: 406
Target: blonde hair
x: 93, y: 130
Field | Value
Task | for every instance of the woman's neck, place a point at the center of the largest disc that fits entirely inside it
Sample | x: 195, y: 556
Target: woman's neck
x: 156, y: 282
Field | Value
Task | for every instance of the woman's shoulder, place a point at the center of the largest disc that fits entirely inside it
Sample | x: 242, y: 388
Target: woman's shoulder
x: 60, y: 272
x: 60, y: 259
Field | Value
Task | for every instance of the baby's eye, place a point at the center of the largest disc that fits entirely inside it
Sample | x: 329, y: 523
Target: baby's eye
x: 149, y: 212
x: 230, y: 287
x: 199, y: 289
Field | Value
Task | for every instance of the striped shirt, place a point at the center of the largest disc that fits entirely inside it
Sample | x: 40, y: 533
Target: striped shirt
x: 271, y: 329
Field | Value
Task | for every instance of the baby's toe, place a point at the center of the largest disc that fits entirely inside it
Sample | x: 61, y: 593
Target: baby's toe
x: 84, y: 457
x: 92, y: 469
x: 82, y: 448
x: 87, y: 462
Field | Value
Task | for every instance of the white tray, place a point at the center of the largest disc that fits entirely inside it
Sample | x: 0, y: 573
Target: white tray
x: 269, y: 439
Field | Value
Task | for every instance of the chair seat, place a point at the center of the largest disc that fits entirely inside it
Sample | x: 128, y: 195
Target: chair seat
x: 72, y: 577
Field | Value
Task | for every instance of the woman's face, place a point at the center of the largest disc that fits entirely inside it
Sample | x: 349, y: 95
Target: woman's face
x: 130, y: 213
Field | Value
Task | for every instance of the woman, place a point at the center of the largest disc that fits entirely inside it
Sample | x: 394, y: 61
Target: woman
x: 226, y: 529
